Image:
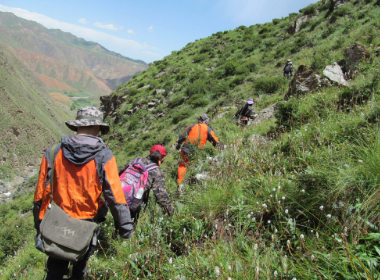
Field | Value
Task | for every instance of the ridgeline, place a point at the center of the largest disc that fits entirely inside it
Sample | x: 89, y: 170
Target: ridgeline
x: 295, y: 193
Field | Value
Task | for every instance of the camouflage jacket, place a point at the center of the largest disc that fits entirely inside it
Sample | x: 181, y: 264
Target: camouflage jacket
x: 245, y: 111
x: 156, y: 182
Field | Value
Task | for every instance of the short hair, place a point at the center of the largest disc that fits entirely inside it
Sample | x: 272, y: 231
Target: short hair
x: 156, y: 156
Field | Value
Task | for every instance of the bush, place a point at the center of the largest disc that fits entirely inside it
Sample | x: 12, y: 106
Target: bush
x: 200, y: 57
x: 276, y: 21
x: 197, y: 75
x: 199, y: 86
x: 197, y: 100
x: 176, y: 101
x: 339, y: 13
x: 221, y: 87
x: 181, y: 115
x: 230, y: 67
x: 206, y: 49
x: 309, y: 10
x: 269, y: 84
x: 265, y: 29
x: 238, y: 80
x: 252, y: 67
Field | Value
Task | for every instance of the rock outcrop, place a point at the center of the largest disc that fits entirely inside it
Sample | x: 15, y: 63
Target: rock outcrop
x: 304, y: 81
x: 264, y: 115
x: 354, y: 55
x: 335, y: 74
x: 258, y: 140
x: 296, y: 26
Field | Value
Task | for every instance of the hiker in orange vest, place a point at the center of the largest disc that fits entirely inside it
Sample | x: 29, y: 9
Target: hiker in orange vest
x: 195, y: 134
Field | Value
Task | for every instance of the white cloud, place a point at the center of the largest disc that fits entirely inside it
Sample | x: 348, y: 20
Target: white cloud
x: 130, y: 31
x: 107, y: 26
x: 124, y: 46
x: 150, y: 29
x: 83, y: 21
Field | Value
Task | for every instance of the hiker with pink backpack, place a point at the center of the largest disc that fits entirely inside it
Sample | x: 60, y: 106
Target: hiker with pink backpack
x: 139, y: 176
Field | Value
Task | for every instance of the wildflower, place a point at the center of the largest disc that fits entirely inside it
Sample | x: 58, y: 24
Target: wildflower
x: 255, y: 247
x: 286, y: 211
x: 288, y: 242
x: 317, y: 234
x: 279, y: 187
x: 229, y: 268
x: 274, y: 189
x: 303, y: 191
x: 253, y: 219
x: 217, y: 271
x: 269, y: 221
x: 213, y: 251
x: 302, y: 236
x: 329, y: 216
x: 312, y: 257
x: 170, y: 245
x: 321, y: 207
x: 312, y: 231
x: 283, y: 198
x: 275, y: 273
x: 271, y: 195
x: 249, y: 216
x: 264, y: 205
x: 171, y: 230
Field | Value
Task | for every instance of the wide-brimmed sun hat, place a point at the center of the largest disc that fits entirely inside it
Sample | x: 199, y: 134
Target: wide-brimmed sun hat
x: 89, y: 116
x: 250, y: 101
x: 203, y: 119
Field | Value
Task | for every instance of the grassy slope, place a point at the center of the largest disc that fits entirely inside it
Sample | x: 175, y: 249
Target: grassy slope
x: 259, y: 216
x: 30, y: 119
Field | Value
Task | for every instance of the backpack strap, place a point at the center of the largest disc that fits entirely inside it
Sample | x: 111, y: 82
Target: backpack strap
x: 151, y: 166
x: 52, y: 157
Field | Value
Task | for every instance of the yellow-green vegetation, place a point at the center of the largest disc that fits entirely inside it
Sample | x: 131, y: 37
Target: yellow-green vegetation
x: 302, y: 206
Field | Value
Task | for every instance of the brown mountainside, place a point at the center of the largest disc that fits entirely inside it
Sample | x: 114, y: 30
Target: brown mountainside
x: 86, y: 66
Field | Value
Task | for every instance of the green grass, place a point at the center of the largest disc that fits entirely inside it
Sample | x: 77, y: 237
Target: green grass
x: 304, y: 205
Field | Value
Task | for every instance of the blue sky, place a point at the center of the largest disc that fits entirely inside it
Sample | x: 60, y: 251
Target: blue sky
x: 150, y: 29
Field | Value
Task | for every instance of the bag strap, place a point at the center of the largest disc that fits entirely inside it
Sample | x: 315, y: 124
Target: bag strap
x: 151, y: 166
x: 52, y: 152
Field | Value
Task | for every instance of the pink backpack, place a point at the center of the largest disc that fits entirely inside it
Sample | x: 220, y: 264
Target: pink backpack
x: 132, y: 180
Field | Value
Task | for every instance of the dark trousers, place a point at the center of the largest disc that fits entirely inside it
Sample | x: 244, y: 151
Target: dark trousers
x: 58, y: 268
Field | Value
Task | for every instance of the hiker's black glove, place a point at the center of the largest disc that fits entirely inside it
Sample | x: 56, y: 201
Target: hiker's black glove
x: 220, y: 146
x: 178, y: 147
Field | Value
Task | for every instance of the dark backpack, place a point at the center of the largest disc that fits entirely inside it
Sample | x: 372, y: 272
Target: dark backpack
x: 288, y: 68
x: 132, y: 180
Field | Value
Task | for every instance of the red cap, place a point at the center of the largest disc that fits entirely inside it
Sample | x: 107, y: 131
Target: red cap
x: 159, y: 148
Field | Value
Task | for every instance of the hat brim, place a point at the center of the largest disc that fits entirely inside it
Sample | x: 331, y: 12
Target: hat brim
x: 251, y: 102
x: 73, y: 125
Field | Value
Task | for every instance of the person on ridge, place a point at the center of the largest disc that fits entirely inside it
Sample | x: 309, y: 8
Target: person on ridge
x: 195, y: 134
x: 84, y: 168
x: 288, y: 69
x: 245, y: 113
x: 156, y: 180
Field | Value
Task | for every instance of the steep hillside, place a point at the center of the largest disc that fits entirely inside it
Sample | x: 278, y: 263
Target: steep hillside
x: 294, y: 196
x: 84, y: 65
x: 30, y: 120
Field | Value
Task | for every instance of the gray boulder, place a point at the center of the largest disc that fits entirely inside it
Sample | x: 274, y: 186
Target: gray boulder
x: 334, y: 73
x: 264, y: 115
x: 160, y: 91
x: 296, y: 26
x: 304, y: 81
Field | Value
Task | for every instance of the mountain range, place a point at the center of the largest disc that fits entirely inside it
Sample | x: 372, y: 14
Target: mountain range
x: 64, y: 63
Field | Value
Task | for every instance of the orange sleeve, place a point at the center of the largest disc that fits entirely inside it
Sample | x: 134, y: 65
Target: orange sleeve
x: 112, y: 176
x: 39, y: 192
x: 213, y: 136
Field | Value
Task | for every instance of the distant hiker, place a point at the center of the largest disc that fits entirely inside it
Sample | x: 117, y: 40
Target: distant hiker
x: 245, y: 113
x: 288, y: 69
x: 83, y: 169
x: 137, y: 191
x: 194, y: 135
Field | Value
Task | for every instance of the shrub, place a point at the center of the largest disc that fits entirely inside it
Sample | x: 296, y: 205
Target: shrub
x: 230, y: 67
x: 181, y: 115
x: 199, y: 86
x: 269, y: 84
x: 265, y: 29
x: 176, y: 101
x: 276, y: 21
x: 242, y: 70
x: 252, y: 67
x: 238, y: 80
x: 132, y: 91
x: 197, y: 100
x: 200, y: 57
x: 197, y: 75
x: 221, y: 87
x: 181, y: 75
x: 339, y: 13
x: 206, y: 49
x: 309, y: 10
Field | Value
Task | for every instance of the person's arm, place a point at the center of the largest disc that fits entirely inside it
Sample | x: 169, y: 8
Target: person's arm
x: 239, y: 111
x: 115, y: 198
x: 121, y: 170
x: 212, y: 138
x: 39, y: 192
x: 157, y: 178
x: 183, y: 136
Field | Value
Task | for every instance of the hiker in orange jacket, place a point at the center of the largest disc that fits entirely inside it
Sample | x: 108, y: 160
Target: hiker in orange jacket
x: 195, y: 134
x: 84, y: 168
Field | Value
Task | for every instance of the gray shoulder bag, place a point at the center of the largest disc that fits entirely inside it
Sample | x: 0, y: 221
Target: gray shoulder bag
x: 62, y: 236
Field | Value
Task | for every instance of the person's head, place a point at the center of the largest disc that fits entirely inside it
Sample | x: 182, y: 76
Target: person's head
x: 157, y: 154
x: 203, y: 119
x: 89, y: 121
x: 250, y: 102
x: 288, y: 61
